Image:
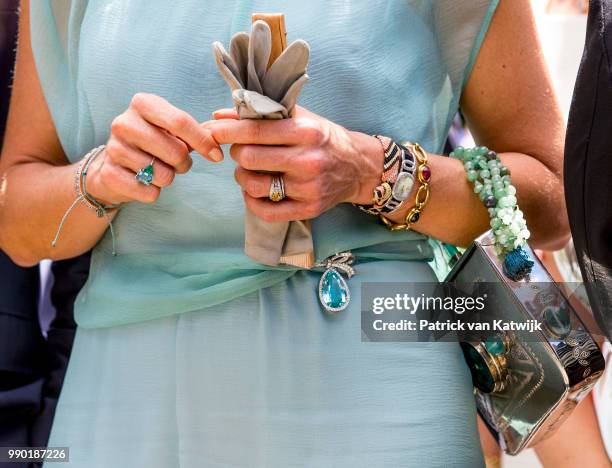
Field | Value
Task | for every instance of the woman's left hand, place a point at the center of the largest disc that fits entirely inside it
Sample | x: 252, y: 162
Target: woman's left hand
x: 322, y: 163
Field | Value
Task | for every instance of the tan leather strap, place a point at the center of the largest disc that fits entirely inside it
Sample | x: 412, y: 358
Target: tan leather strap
x: 276, y: 21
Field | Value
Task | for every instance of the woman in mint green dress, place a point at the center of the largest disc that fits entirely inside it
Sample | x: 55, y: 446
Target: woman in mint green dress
x: 188, y: 352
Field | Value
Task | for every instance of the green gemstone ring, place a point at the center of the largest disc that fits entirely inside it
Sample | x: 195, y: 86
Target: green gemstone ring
x: 145, y: 175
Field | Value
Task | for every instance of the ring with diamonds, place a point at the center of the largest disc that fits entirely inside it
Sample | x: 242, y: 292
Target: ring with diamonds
x: 145, y: 175
x: 277, y: 188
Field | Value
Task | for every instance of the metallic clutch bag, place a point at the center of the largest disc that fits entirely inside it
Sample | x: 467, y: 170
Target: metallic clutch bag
x: 526, y: 382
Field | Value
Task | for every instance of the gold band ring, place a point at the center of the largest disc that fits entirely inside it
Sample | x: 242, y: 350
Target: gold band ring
x: 277, y: 188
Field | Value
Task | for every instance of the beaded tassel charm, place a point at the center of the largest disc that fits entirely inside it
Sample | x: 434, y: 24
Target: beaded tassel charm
x: 492, y: 184
x: 517, y: 264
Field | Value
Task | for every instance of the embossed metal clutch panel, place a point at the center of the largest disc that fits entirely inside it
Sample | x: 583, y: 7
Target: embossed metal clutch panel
x: 535, y: 385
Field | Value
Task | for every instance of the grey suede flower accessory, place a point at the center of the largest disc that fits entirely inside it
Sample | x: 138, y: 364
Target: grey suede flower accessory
x: 260, y: 92
x: 264, y: 90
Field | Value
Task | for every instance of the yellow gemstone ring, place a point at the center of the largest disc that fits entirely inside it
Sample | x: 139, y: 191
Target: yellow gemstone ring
x: 277, y: 188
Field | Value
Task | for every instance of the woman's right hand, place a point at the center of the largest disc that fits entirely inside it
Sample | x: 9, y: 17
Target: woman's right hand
x: 150, y: 128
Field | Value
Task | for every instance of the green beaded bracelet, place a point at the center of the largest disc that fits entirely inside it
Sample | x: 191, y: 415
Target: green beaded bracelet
x: 492, y: 184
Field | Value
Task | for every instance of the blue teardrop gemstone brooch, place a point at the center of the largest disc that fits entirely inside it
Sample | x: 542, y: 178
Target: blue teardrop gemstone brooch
x: 334, y: 293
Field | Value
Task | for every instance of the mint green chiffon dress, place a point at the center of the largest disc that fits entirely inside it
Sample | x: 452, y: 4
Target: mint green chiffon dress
x: 188, y: 353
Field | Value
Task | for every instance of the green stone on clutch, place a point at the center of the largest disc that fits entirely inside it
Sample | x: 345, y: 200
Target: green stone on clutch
x: 481, y: 375
x: 495, y: 345
x: 557, y: 320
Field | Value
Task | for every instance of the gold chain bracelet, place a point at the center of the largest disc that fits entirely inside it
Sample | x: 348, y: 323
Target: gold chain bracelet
x: 422, y: 194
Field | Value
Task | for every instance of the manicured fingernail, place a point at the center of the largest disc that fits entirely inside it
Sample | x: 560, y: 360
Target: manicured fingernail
x: 216, y: 154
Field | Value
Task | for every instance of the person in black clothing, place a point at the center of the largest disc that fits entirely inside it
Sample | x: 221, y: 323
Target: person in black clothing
x: 21, y: 340
x: 588, y: 163
x: 32, y: 368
